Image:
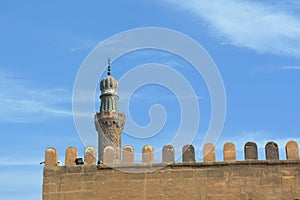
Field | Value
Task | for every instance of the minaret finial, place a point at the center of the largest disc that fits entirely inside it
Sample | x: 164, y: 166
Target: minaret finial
x: 108, y: 67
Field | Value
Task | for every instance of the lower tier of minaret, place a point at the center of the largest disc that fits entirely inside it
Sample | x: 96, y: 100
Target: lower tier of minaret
x: 109, y: 126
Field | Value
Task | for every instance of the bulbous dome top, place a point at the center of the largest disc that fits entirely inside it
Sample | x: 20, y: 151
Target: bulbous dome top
x: 108, y: 83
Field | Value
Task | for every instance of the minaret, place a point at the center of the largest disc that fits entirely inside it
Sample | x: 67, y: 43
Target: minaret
x: 109, y: 122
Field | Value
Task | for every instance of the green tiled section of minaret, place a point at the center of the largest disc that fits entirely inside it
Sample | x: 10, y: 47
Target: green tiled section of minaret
x: 109, y: 93
x: 109, y: 102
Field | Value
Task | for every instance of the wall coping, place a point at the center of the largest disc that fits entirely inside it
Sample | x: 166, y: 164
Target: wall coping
x: 142, y: 168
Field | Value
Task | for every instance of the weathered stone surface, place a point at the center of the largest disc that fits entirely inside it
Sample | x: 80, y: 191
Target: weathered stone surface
x: 147, y: 154
x: 250, y: 150
x: 168, y: 154
x: 209, y: 153
x: 90, y: 156
x: 188, y: 153
x: 239, y: 180
x: 128, y: 155
x: 71, y: 155
x: 74, y: 169
x: 50, y: 187
x: 229, y: 151
x: 271, y: 150
x: 271, y: 177
x: 109, y: 155
x: 292, y: 151
x: 51, y: 157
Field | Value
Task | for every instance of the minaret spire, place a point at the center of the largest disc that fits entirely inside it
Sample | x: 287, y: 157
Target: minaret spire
x: 108, y: 67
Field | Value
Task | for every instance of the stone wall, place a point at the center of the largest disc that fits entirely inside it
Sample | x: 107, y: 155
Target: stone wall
x: 229, y: 179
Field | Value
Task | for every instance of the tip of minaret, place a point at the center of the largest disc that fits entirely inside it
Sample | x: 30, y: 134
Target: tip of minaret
x: 108, y: 67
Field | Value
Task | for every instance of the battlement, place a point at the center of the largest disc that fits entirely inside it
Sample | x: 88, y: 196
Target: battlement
x: 227, y: 179
x: 168, y: 154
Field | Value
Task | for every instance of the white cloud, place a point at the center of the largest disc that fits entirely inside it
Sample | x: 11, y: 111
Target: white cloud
x: 19, y: 163
x: 20, y: 102
x: 241, y: 139
x: 66, y: 41
x: 289, y: 68
x: 259, y: 26
x: 56, y: 38
x: 261, y: 138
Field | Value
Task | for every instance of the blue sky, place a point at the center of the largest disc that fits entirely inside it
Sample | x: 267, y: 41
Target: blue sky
x: 256, y: 46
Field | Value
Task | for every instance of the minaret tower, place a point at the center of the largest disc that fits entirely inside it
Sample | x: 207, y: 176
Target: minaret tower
x: 109, y: 121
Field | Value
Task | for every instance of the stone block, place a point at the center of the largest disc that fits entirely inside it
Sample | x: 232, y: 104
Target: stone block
x: 200, y: 173
x: 90, y: 156
x: 236, y: 182
x: 71, y: 155
x: 252, y: 181
x: 71, y: 196
x: 87, y: 177
x: 128, y: 155
x: 170, y: 174
x: 88, y: 195
x: 71, y: 186
x: 216, y: 173
x: 287, y: 172
x: 229, y: 152
x: 271, y: 150
x: 187, y: 173
x: 135, y: 176
x: 289, y: 180
x: 270, y: 178
x: 250, y: 150
x: 74, y: 169
x: 49, y: 188
x: 282, y: 189
x: 50, y: 171
x: 292, y: 150
x: 154, y: 175
x: 168, y: 154
x: 62, y: 169
x: 209, y: 152
x: 109, y: 155
x: 148, y: 154
x: 50, y: 196
x: 90, y: 169
x: 51, y: 157
x: 188, y: 153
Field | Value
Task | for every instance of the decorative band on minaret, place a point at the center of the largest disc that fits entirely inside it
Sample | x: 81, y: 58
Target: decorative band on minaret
x: 109, y: 121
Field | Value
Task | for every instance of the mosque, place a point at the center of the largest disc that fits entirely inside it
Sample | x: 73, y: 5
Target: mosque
x: 113, y: 174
